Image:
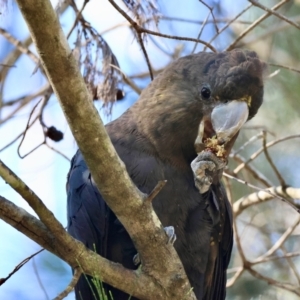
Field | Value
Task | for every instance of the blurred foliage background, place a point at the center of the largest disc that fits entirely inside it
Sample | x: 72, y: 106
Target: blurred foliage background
x: 114, y: 67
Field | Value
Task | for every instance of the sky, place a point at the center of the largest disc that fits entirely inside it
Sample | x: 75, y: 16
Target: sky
x: 45, y: 171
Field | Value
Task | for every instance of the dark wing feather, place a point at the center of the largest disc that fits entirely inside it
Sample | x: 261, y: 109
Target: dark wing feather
x: 217, y: 288
x: 87, y: 212
x: 87, y: 217
x: 92, y: 222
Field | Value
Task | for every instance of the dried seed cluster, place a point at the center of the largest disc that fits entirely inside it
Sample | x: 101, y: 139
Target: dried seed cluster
x: 212, y: 145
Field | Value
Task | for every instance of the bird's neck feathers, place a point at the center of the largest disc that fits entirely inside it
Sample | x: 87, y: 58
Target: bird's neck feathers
x: 165, y: 129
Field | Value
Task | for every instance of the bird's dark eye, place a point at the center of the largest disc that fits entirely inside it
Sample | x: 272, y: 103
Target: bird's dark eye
x: 205, y: 93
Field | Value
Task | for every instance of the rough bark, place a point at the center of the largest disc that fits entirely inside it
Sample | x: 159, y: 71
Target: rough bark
x: 89, y: 261
x: 168, y: 280
x: 289, y: 192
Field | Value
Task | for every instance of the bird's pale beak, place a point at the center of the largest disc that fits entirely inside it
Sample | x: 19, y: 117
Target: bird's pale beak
x: 222, y: 127
x: 228, y: 118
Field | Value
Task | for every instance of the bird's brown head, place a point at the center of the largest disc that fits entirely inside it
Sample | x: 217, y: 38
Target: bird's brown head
x: 220, y: 91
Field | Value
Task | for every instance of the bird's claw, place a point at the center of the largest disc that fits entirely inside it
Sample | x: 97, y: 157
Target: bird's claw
x: 204, y: 167
x: 136, y: 259
x: 170, y: 232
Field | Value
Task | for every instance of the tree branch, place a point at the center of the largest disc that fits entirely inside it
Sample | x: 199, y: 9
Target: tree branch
x: 19, y: 266
x: 140, y: 29
x: 262, y: 196
x: 71, y: 285
x: 26, y: 223
x: 280, y: 241
x: 283, y: 285
x: 271, y: 11
x: 254, y: 24
x: 268, y: 191
x: 93, y: 264
x: 261, y: 150
x: 22, y: 48
x: 145, y: 229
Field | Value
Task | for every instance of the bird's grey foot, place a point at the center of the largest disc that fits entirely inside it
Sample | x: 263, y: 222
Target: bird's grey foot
x: 204, y: 167
x: 170, y: 232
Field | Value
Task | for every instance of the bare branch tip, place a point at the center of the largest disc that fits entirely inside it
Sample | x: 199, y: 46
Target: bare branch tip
x: 155, y: 191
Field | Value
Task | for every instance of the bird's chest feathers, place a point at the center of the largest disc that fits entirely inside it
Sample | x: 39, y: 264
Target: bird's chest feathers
x: 181, y: 205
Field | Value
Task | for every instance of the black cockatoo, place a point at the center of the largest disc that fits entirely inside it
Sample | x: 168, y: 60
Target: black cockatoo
x: 180, y: 130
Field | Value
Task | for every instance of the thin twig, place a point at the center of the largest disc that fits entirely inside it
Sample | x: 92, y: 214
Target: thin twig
x: 212, y: 14
x: 228, y: 188
x: 152, y: 39
x: 259, y: 127
x: 275, y: 257
x: 113, y: 28
x: 261, y: 150
x: 233, y: 270
x: 78, y: 15
x: 25, y: 131
x: 284, y: 67
x: 8, y: 66
x: 57, y: 151
x: 19, y: 45
x: 145, y: 74
x: 291, y: 263
x: 45, y: 99
x: 231, y: 281
x: 19, y: 135
x: 43, y: 106
x: 264, y: 190
x: 36, y: 272
x: 166, y: 18
x: 250, y: 141
x: 219, y: 20
x: 273, y: 74
x: 44, y: 214
x: 140, y: 40
x: 132, y: 84
x: 286, y: 286
x: 70, y: 287
x: 127, y: 80
x: 19, y: 266
x: 11, y: 59
x: 61, y: 6
x: 270, y: 31
x: 270, y: 161
x: 15, y: 101
x: 254, y: 24
x: 31, y: 151
x: 262, y: 196
x: 238, y: 244
x: 25, y: 101
x: 155, y: 191
x: 180, y: 38
x: 238, y: 239
x: 228, y: 24
x: 200, y: 32
x: 253, y: 171
x: 139, y: 33
x: 280, y: 241
x: 271, y: 11
x: 140, y: 29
